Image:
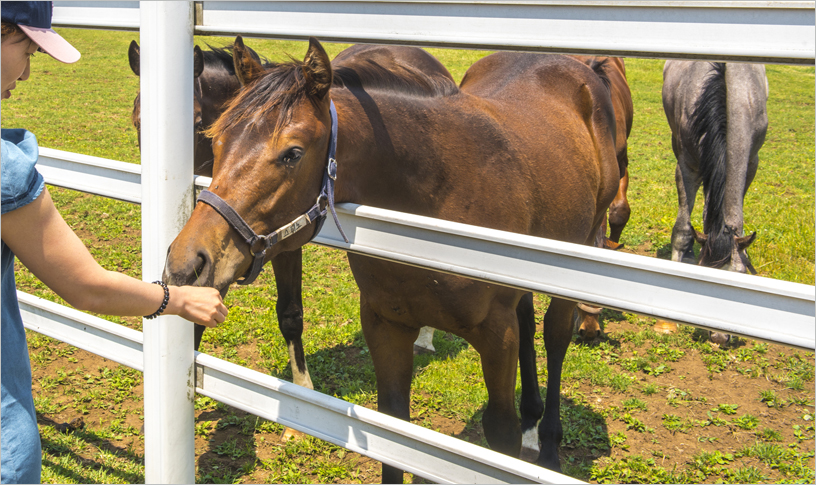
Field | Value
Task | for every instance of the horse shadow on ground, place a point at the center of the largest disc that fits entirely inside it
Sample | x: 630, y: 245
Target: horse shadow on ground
x: 58, y: 450
x: 586, y: 438
x: 231, y: 448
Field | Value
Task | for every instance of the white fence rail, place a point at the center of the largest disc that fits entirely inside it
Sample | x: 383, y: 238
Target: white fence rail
x: 742, y: 31
x: 750, y: 31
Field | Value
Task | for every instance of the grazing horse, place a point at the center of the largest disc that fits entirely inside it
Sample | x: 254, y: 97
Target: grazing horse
x: 525, y: 144
x: 612, y: 72
x: 718, y: 118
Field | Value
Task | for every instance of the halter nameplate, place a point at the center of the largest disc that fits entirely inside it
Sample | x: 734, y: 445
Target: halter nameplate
x: 293, y: 227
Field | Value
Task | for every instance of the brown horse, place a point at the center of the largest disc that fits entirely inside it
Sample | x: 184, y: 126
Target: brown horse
x: 612, y: 72
x: 216, y: 82
x: 526, y: 144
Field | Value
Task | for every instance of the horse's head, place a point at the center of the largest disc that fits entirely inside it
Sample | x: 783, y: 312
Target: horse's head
x: 134, y: 57
x: 725, y: 250
x: 270, y: 147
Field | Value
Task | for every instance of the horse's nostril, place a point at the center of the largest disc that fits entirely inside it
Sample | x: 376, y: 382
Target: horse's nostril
x: 581, y: 332
x: 201, y: 265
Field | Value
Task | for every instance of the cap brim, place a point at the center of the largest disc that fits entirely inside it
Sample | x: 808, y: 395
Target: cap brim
x: 52, y: 44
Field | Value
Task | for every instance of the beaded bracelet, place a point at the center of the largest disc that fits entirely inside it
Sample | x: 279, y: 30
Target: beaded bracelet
x: 164, y: 302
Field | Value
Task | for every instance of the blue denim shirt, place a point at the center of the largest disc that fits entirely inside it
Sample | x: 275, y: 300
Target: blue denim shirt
x: 19, y: 439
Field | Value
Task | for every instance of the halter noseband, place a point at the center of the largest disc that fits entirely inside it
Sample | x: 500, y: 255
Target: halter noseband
x: 315, y: 214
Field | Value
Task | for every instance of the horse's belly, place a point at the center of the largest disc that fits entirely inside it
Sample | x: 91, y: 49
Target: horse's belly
x: 416, y: 297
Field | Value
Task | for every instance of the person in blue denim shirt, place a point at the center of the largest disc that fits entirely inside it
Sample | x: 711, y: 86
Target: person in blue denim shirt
x: 34, y: 232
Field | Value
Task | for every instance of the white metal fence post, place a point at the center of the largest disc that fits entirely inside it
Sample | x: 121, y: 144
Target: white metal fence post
x: 167, y: 200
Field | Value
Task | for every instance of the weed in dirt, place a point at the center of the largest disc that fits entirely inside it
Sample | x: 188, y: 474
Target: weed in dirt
x: 650, y: 389
x: 634, y: 404
x: 675, y: 423
x: 746, y: 474
x: 711, y: 463
x: 769, y: 398
x: 768, y: 434
x: 729, y: 409
x: 746, y: 421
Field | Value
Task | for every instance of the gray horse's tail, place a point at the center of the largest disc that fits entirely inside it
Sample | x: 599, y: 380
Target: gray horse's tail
x: 710, y: 119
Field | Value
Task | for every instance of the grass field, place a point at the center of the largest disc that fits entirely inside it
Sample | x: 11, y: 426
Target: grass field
x: 637, y: 407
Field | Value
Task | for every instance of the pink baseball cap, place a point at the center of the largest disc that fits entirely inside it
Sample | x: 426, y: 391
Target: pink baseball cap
x: 34, y: 19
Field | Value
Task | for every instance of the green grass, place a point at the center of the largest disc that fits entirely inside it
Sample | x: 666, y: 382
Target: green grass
x: 628, y: 401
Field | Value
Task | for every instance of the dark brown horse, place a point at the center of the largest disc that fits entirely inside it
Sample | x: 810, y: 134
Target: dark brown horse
x: 526, y: 144
x: 215, y: 83
x: 612, y: 72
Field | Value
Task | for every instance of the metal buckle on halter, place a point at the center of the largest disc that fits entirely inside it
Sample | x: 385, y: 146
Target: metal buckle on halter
x: 331, y: 169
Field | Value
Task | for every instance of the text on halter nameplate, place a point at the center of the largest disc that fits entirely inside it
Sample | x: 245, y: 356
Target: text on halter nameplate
x: 294, y: 226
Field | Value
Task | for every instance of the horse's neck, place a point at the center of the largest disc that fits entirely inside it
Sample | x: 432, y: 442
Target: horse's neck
x: 382, y: 150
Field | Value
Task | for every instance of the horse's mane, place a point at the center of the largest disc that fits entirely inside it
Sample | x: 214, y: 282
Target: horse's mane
x: 282, y: 85
x: 709, y: 120
x: 370, y: 75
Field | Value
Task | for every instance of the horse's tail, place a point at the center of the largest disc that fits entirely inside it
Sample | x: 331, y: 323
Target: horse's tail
x: 709, y: 120
x: 598, y: 66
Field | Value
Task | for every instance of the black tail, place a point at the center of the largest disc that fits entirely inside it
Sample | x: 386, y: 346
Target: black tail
x: 599, y: 68
x: 709, y: 121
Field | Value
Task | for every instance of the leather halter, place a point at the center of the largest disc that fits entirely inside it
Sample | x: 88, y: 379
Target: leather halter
x: 316, y: 214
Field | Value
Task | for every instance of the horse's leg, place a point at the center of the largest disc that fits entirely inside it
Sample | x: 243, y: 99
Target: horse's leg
x: 198, y: 332
x: 531, y: 406
x: 682, y: 238
x: 557, y: 336
x: 619, y: 209
x: 289, y: 279
x: 390, y: 346
x: 497, y: 341
x: 424, y: 343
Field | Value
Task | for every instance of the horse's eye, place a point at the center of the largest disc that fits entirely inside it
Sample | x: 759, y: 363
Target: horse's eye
x: 292, y: 155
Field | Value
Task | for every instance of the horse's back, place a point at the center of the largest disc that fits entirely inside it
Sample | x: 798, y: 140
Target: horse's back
x: 562, y: 117
x: 391, y: 66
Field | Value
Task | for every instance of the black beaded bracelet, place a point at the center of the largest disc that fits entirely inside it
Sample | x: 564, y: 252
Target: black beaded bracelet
x: 164, y: 302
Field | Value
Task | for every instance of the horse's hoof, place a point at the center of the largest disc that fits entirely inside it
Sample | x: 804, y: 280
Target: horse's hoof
x: 663, y: 326
x: 422, y: 350
x: 719, y: 338
x: 75, y: 424
x: 289, y: 434
x: 528, y: 454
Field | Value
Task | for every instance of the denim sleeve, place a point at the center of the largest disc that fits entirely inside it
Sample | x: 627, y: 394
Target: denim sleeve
x: 21, y: 182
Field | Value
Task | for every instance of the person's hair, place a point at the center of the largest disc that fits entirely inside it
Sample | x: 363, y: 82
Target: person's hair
x: 9, y: 29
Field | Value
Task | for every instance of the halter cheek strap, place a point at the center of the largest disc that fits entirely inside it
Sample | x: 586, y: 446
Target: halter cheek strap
x: 314, y: 214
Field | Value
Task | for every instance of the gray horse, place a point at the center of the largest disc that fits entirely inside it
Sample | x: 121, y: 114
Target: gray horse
x: 717, y: 113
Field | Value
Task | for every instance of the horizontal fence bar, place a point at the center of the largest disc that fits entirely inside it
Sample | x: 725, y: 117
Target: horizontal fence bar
x: 97, y: 15
x: 94, y: 175
x: 432, y: 455
x: 761, y: 308
x: 752, y: 306
x: 767, y: 32
x: 87, y: 332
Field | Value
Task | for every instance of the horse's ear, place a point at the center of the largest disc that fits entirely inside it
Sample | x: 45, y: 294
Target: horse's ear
x: 198, y: 61
x: 700, y: 237
x: 246, y: 67
x: 744, y: 241
x: 133, y: 57
x: 317, y: 69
